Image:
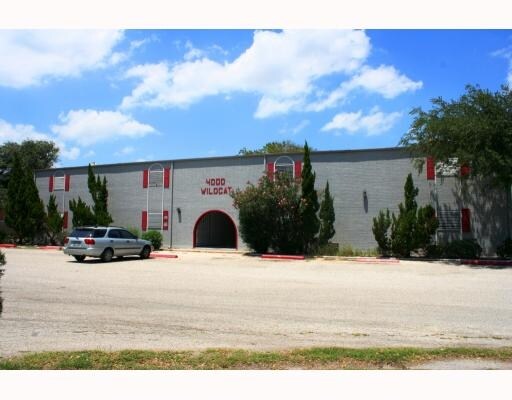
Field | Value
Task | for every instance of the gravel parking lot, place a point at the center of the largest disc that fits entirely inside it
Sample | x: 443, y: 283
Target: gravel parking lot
x: 204, y: 300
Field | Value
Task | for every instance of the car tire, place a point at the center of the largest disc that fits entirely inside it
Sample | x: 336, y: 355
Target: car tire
x: 107, y: 255
x: 79, y: 258
x: 145, y: 253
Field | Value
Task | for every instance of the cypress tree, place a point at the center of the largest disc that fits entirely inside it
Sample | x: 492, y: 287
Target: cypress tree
x: 82, y: 214
x: 99, y: 194
x: 309, y: 204
x: 327, y: 217
x: 25, y: 210
x: 54, y: 219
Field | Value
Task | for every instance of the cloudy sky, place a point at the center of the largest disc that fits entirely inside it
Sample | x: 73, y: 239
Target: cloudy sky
x: 119, y: 96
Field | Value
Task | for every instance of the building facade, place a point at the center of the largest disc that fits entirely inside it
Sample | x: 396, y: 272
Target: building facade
x: 189, y: 202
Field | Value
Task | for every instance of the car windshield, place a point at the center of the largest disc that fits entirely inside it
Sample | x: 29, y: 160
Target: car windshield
x: 88, y: 232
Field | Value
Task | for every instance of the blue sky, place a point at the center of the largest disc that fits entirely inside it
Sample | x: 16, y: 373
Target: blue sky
x: 119, y: 96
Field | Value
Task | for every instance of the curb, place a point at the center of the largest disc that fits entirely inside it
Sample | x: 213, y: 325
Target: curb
x: 163, y: 256
x: 282, y: 257
x: 49, y: 247
x: 366, y: 260
x: 503, y: 263
x: 7, y: 245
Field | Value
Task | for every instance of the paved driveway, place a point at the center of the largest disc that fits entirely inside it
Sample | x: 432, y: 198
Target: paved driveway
x: 229, y: 300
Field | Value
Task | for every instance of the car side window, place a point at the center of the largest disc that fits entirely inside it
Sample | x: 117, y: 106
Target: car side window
x: 114, y: 234
x: 126, y: 235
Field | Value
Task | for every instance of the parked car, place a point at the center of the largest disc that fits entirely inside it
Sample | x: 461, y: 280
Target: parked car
x: 105, y: 242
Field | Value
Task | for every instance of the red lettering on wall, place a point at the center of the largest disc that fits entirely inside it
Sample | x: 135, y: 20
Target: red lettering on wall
x: 216, y: 187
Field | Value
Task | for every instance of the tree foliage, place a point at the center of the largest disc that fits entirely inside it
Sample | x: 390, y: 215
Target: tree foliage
x: 269, y: 214
x: 411, y: 229
x: 285, y: 146
x: 24, y: 210
x: 99, y: 193
x: 82, y: 214
x: 327, y: 217
x: 54, y: 220
x: 475, y: 130
x: 309, y: 204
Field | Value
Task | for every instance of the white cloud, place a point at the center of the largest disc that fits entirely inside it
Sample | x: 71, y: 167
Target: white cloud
x: 33, y: 57
x: 294, y: 129
x: 506, y: 53
x: 279, y: 66
x: 193, y: 52
x: 87, y: 127
x: 20, y: 132
x: 374, y: 123
x: 125, y: 151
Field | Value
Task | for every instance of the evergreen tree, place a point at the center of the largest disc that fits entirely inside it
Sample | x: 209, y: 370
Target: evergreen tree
x: 82, y: 214
x: 99, y: 193
x: 25, y: 210
x: 327, y: 217
x: 380, y: 228
x: 54, y: 219
x: 309, y: 204
x: 403, y: 227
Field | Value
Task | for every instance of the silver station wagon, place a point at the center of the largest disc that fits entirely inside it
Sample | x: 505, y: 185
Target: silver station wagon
x: 105, y: 242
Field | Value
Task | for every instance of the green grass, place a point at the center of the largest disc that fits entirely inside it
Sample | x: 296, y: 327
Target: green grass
x: 313, y: 358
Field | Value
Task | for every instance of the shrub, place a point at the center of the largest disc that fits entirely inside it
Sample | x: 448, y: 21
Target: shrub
x: 59, y: 238
x: 134, y: 231
x: 327, y: 217
x: 381, y: 224
x: 155, y: 237
x: 349, y: 251
x: 504, y: 250
x: 2, y: 260
x: 465, y: 248
x: 54, y: 220
x: 329, y: 249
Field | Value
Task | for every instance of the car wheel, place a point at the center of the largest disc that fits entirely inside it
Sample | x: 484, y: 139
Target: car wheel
x: 146, y: 251
x: 79, y: 258
x: 107, y: 255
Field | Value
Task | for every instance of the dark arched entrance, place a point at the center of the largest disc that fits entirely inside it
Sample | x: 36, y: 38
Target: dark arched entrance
x: 215, y: 228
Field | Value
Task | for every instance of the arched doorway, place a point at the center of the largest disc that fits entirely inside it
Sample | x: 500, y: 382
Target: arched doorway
x: 215, y: 228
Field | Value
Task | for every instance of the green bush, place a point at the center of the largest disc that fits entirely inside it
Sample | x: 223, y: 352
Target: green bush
x: 329, y: 249
x: 504, y: 250
x: 381, y: 224
x: 134, y: 231
x: 2, y: 260
x: 155, y: 237
x: 466, y: 248
x: 349, y: 251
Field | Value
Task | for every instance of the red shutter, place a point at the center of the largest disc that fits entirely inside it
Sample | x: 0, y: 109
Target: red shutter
x: 431, y: 168
x: 66, y: 183
x: 270, y: 170
x: 165, y: 222
x: 50, y: 184
x: 167, y: 177
x: 144, y: 223
x: 65, y: 220
x: 145, y: 178
x: 298, y: 169
x: 466, y: 220
x: 465, y: 170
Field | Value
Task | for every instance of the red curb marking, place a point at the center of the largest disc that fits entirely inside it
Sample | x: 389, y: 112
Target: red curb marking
x: 487, y: 262
x: 7, y: 245
x: 49, y: 247
x: 163, y: 256
x: 282, y: 257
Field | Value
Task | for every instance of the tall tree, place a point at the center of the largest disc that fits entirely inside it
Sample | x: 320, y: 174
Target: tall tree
x: 82, y: 214
x: 54, y: 219
x: 285, y: 146
x: 99, y: 193
x: 327, y: 217
x: 475, y: 130
x: 404, y: 225
x: 25, y: 211
x: 309, y: 204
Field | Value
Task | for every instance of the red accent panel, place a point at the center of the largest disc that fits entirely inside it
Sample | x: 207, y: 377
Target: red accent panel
x: 165, y: 222
x: 50, y: 184
x: 466, y: 220
x: 167, y: 177
x: 431, y: 168
x: 65, y: 220
x: 144, y: 223
x: 66, y: 183
x: 298, y: 169
x: 465, y: 170
x: 270, y: 170
x: 145, y: 178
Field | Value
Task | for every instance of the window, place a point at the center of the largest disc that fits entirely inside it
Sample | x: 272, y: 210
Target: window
x: 284, y: 164
x: 59, y: 182
x: 155, y: 220
x: 114, y: 234
x: 156, y: 176
x: 126, y: 235
x: 449, y: 220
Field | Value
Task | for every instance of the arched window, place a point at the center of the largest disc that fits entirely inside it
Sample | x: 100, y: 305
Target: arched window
x: 284, y: 164
x: 155, y: 197
x: 156, y: 175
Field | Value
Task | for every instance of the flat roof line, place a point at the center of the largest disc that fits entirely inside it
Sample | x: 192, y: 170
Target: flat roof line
x: 230, y: 157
